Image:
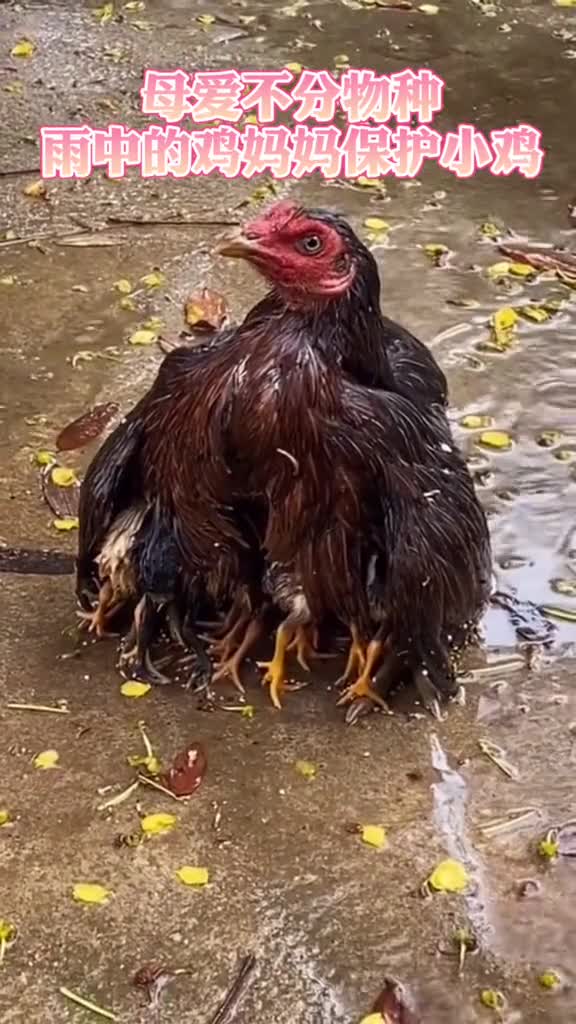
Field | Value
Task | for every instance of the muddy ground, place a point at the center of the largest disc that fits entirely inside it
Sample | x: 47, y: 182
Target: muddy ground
x: 326, y: 916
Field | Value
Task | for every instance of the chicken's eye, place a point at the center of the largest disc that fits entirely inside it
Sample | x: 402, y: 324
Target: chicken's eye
x: 309, y: 245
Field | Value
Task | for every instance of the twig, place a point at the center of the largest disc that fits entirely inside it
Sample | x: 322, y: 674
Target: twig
x: 19, y: 170
x: 157, y: 785
x: 38, y: 707
x: 120, y: 797
x: 236, y: 990
x: 138, y: 222
x: 27, y: 238
x: 87, y: 1004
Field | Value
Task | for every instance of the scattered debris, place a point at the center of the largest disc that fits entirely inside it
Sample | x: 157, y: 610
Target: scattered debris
x: 492, y: 999
x: 61, y: 491
x: 206, y: 311
x: 307, y: 769
x: 158, y: 824
x: 498, y: 440
x: 87, y: 1004
x: 134, y: 688
x: 497, y: 756
x: 87, y: 427
x: 47, y: 759
x: 392, y: 1004
x: 439, y: 254
x: 448, y: 876
x: 549, y: 980
x: 187, y: 772
x: 61, y: 710
x: 120, y: 798
x: 373, y: 835
x: 542, y: 259
x: 155, y: 979
x: 224, y: 1012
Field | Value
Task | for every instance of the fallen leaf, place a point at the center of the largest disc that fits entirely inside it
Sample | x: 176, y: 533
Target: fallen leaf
x: 87, y: 427
x: 439, y: 254
x: 294, y: 67
x: 498, y: 440
x: 193, y: 876
x: 475, y: 422
x: 306, y: 768
x: 503, y: 324
x: 157, y: 824
x: 206, y: 20
x: 123, y: 286
x: 248, y: 711
x: 373, y: 1018
x: 104, y: 14
x: 187, y: 772
x: 492, y: 999
x: 154, y: 323
x: 23, y: 48
x: 47, y: 759
x: 363, y: 182
x: 5, y: 818
x: 564, y: 3
x: 449, y: 876
x: 86, y: 892
x: 143, y: 336
x: 549, y: 979
x: 206, y: 310
x: 134, y: 688
x: 63, y: 476
x: 127, y: 303
x: 392, y: 1004
x: 153, y: 280
x: 36, y: 190
x: 499, y: 270
x: 67, y: 524
x: 44, y: 458
x: 374, y: 835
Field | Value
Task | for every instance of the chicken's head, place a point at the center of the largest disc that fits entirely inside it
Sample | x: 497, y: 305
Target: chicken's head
x: 307, y: 255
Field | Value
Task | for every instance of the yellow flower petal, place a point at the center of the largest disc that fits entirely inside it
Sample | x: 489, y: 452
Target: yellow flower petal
x: 44, y: 458
x: 66, y: 524
x: 153, y: 280
x: 47, y: 759
x: 134, y: 688
x: 86, y: 892
x: 449, y: 876
x: 306, y: 768
x: 7, y: 931
x: 123, y: 286
x: 193, y: 876
x: 373, y: 1018
x: 549, y: 979
x: 23, y: 48
x: 475, y: 422
x: 497, y: 439
x: 376, y: 224
x: 104, y: 13
x: 156, y: 824
x: 143, y: 336
x: 294, y: 67
x: 64, y: 477
x: 4, y: 818
x: 374, y: 835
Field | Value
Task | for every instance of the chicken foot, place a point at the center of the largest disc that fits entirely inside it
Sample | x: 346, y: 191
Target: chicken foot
x: 95, y: 619
x: 356, y: 659
x: 137, y: 659
x: 231, y: 665
x: 184, y: 633
x: 363, y: 685
x: 306, y: 647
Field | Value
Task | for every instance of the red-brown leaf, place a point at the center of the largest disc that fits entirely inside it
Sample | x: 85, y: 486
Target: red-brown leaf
x: 86, y: 427
x: 63, y: 501
x: 391, y: 1003
x: 187, y: 772
x: 205, y: 311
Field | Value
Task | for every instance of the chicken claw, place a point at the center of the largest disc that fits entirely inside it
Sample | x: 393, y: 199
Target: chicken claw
x: 230, y: 665
x: 363, y: 685
x: 356, y: 659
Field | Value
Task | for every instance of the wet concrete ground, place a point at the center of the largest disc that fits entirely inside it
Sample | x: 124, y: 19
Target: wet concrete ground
x: 326, y: 916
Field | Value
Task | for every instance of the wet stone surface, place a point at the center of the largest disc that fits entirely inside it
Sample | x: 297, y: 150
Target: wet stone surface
x: 326, y: 916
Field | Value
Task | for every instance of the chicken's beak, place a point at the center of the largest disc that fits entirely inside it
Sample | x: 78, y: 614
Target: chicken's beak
x: 237, y: 245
